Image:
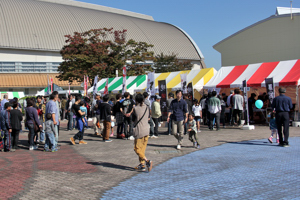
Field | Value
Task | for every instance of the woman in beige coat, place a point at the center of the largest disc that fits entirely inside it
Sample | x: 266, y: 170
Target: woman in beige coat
x: 141, y: 132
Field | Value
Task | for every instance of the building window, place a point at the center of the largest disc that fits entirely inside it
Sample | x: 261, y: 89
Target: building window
x: 26, y: 91
x: 29, y: 67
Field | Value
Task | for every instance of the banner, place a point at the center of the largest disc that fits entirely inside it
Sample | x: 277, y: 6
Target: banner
x: 51, y: 81
x: 95, y: 86
x: 190, y: 91
x: 183, y: 83
x: 84, y: 86
x: 151, y: 84
x: 270, y: 88
x: 106, y: 87
x: 245, y: 90
x: 162, y: 89
x: 124, y: 80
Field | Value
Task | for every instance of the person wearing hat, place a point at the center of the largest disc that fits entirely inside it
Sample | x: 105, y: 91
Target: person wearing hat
x: 282, y: 105
x: 155, y: 114
x: 6, y: 126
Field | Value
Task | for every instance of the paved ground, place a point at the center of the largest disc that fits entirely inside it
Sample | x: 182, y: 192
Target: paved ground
x: 91, y: 171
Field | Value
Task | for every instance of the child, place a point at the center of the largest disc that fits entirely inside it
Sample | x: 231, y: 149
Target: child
x: 273, y: 128
x: 197, y: 110
x: 112, y: 126
x: 192, y: 130
x: 83, y: 109
x: 50, y: 137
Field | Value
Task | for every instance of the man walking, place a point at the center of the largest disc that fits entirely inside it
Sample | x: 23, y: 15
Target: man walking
x: 52, y: 108
x: 127, y: 109
x: 105, y: 116
x: 214, y: 108
x: 282, y: 105
x: 178, y: 109
x: 238, y: 106
x: 70, y: 112
x: 155, y: 114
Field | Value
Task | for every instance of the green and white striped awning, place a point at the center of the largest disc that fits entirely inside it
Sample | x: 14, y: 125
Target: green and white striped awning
x: 12, y: 95
x: 115, y: 84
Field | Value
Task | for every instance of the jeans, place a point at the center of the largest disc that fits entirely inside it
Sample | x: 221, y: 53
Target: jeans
x: 283, y: 119
x: 50, y: 140
x: 70, y: 122
x: 7, y: 139
x: 195, y: 139
x: 214, y: 116
x: 155, y: 120
x: 128, y: 122
x: 31, y: 134
x: 15, y: 138
x: 177, y: 129
x: 56, y: 133
x: 79, y: 135
x: 42, y: 134
x: 74, y: 123
x: 151, y: 124
x: 170, y: 126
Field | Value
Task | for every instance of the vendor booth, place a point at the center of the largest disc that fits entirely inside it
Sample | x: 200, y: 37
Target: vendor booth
x: 284, y: 73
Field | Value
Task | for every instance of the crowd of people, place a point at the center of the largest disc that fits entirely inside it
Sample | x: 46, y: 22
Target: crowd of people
x: 136, y: 118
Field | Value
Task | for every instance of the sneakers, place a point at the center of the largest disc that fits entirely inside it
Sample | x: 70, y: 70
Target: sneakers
x: 140, y: 167
x: 82, y: 142
x: 111, y: 135
x: 72, y: 140
x: 46, y: 150
x: 199, y: 130
x: 198, y: 147
x: 178, y: 146
x: 149, y: 165
x: 277, y: 141
x: 131, y: 138
x: 154, y: 136
x: 42, y: 142
x: 54, y: 150
x: 270, y: 140
x: 35, y: 147
x: 195, y: 144
x: 107, y: 140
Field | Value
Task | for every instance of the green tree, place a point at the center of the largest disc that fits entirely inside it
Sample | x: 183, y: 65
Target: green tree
x: 101, y: 52
x: 170, y: 63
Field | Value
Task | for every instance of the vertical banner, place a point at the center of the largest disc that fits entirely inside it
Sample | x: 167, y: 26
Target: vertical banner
x: 190, y: 91
x: 162, y: 89
x: 69, y: 89
x: 106, y: 87
x: 270, y: 88
x: 245, y: 90
x: 84, y: 86
x: 183, y: 83
x: 151, y: 86
x: 49, y: 86
x: 124, y: 80
x: 87, y: 84
x: 51, y: 81
x: 95, y: 86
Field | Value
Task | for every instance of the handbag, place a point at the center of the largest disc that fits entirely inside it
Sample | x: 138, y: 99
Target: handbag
x: 35, y: 127
x: 134, y: 126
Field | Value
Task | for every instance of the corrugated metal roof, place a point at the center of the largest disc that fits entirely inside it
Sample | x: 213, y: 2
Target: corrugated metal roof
x: 30, y: 80
x: 41, y: 25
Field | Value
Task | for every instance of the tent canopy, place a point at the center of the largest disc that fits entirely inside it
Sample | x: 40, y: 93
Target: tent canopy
x: 284, y: 73
x: 139, y: 83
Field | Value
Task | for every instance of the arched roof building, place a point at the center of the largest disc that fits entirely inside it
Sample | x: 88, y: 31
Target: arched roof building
x: 32, y: 33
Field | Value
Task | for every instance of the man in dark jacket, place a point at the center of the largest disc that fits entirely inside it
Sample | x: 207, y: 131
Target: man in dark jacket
x: 16, y: 118
x: 6, y: 126
x: 105, y: 116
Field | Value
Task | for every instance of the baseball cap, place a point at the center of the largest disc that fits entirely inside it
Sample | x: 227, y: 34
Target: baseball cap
x: 157, y: 97
x: 98, y: 94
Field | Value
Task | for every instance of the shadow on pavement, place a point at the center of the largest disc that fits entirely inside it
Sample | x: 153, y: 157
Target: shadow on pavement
x: 112, y: 165
x: 250, y: 143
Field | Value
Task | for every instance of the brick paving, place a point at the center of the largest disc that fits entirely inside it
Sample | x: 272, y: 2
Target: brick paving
x: 88, y: 171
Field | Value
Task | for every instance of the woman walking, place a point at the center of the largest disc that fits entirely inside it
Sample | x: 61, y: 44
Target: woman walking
x: 33, y: 124
x: 141, y: 132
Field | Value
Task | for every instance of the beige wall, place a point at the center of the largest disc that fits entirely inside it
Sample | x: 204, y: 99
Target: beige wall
x: 275, y: 39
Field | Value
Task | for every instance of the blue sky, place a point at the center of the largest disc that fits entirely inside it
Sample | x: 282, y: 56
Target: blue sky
x: 206, y: 21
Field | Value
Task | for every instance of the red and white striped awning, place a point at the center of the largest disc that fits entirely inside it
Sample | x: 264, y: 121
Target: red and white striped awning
x: 284, y: 73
